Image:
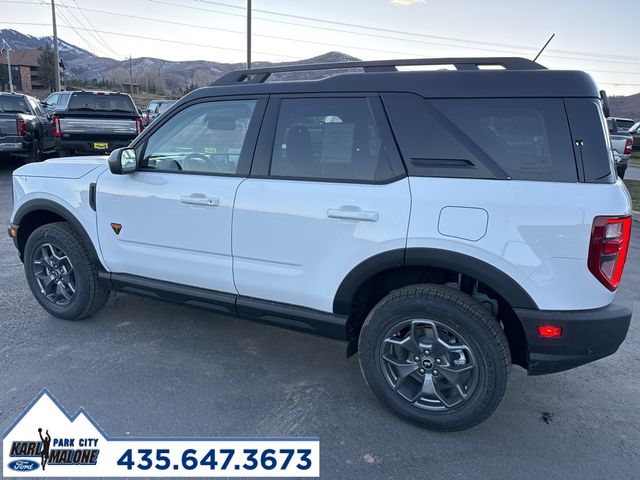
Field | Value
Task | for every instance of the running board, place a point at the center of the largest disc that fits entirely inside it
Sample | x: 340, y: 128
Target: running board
x: 273, y: 313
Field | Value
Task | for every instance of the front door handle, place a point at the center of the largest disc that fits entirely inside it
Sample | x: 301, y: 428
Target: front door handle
x: 352, y: 213
x: 200, y: 199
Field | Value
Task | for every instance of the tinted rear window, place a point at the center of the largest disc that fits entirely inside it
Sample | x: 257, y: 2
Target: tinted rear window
x: 13, y: 104
x: 521, y: 139
x: 101, y: 102
x: 528, y: 138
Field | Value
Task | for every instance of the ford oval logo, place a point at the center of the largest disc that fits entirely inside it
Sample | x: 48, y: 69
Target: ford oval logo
x: 23, y: 465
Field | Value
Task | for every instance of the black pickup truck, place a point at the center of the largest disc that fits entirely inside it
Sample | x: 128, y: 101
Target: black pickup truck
x: 93, y: 122
x: 25, y: 128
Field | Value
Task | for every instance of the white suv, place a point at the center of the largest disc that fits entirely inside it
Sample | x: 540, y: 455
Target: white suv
x: 446, y: 224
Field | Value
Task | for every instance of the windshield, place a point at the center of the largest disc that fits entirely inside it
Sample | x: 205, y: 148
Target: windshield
x: 164, y: 106
x: 103, y: 102
x: 13, y: 104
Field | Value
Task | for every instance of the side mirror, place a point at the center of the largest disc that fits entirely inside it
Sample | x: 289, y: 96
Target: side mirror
x: 122, y: 161
x: 606, y: 107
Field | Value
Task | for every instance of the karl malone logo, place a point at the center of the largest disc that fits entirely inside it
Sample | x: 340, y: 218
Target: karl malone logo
x: 63, y: 452
x: 45, y: 436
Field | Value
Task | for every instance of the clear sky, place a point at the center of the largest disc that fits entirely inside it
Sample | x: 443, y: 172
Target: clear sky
x: 592, y: 35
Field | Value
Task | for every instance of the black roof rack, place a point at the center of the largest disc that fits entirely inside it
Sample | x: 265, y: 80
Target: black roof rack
x: 260, y: 75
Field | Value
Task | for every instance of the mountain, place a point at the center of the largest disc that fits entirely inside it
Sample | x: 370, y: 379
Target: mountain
x: 20, y: 41
x: 628, y: 107
x: 165, y: 75
x: 149, y: 72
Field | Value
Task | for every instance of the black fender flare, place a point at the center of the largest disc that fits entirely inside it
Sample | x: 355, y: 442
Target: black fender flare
x: 41, y: 204
x: 485, y: 273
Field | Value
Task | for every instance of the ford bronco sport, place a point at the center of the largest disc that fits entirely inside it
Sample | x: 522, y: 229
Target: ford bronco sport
x: 446, y: 224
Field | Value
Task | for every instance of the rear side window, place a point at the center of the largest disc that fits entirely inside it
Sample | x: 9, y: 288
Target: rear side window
x: 109, y: 102
x: 521, y: 139
x: 592, y: 141
x: 329, y: 138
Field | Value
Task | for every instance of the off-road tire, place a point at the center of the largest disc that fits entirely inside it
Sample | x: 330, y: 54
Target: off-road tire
x: 461, y: 313
x: 89, y: 294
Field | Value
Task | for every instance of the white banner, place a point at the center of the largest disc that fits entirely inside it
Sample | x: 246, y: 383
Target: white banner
x: 45, y: 441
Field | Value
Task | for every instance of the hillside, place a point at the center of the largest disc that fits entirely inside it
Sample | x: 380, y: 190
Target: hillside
x: 150, y: 73
x: 20, y: 41
x: 160, y: 75
x: 628, y: 107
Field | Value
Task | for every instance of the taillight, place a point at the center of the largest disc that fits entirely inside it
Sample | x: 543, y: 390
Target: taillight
x: 628, y: 147
x: 56, y: 126
x: 608, y: 249
x: 138, y: 125
x: 21, y: 126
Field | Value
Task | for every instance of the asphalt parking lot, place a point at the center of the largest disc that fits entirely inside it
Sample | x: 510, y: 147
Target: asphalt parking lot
x: 147, y: 368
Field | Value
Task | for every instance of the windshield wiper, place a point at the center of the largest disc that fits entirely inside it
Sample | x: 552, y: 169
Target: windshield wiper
x: 120, y: 110
x: 86, y: 109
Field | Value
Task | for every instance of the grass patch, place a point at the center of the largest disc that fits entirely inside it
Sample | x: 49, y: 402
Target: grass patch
x: 634, y: 189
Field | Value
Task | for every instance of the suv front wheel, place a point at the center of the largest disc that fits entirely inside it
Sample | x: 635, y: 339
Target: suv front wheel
x: 435, y: 356
x: 61, y: 274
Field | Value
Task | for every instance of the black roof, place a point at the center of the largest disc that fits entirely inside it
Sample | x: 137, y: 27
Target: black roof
x: 518, y: 77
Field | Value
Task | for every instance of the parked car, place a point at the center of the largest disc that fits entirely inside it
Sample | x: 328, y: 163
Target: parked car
x: 93, y: 122
x: 25, y: 128
x: 622, y: 144
x: 155, y: 108
x: 635, y: 132
x: 446, y: 224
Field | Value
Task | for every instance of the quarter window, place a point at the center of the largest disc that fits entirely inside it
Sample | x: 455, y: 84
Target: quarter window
x: 328, y: 138
x: 204, y: 138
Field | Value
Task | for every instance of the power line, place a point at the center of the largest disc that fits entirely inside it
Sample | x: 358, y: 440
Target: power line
x: 403, y: 32
x: 503, y: 49
x: 378, y: 36
x: 276, y: 37
x: 78, y: 22
x: 97, y: 35
x: 68, y: 24
x: 179, y: 42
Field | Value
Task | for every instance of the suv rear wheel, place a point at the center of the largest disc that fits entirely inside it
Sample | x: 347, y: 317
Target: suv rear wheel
x: 61, y: 273
x: 435, y: 356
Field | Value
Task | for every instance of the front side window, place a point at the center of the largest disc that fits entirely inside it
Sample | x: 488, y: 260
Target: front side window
x: 204, y: 138
x: 53, y: 99
x: 328, y: 138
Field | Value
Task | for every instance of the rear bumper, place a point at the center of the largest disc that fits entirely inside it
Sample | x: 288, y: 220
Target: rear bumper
x: 87, y: 146
x: 587, y: 335
x: 13, y: 147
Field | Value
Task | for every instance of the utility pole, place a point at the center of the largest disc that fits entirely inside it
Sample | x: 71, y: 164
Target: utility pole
x: 56, y: 54
x: 248, y: 34
x: 130, y: 76
x: 7, y: 48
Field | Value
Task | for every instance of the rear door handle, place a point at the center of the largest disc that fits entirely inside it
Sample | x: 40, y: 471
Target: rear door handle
x: 200, y: 199
x: 352, y: 213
